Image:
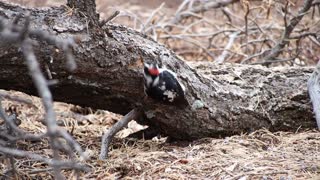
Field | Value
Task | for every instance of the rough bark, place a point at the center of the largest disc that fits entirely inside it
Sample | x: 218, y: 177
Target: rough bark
x: 223, y: 99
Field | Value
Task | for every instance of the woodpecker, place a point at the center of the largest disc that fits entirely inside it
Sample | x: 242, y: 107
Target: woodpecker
x: 162, y: 84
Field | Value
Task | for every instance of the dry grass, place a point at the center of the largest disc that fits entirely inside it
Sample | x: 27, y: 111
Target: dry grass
x: 261, y: 154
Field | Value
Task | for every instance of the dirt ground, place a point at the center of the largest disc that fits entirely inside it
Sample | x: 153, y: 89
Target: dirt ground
x: 258, y: 155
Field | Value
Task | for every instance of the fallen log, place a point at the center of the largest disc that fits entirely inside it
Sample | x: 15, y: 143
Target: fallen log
x: 223, y: 99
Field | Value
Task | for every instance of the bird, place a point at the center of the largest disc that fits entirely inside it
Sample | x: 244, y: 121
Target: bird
x: 161, y: 84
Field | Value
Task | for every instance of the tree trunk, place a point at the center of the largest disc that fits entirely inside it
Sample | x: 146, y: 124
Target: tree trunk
x: 223, y: 99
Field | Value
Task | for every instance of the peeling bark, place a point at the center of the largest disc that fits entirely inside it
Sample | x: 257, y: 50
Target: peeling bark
x: 223, y: 99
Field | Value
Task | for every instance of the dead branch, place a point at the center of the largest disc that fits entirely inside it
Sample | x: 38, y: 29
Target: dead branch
x: 274, y: 52
x: 45, y: 94
x: 14, y: 98
x: 36, y: 157
x: 205, y: 6
x: 108, y: 136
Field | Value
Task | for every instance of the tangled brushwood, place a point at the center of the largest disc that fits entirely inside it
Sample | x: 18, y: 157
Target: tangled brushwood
x: 241, y: 31
x: 59, y: 139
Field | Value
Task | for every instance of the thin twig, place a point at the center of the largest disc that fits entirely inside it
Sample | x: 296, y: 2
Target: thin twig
x: 246, y: 25
x: 23, y: 135
x: 180, y: 15
x: 151, y: 17
x: 36, y: 157
x: 222, y: 57
x: 110, y: 18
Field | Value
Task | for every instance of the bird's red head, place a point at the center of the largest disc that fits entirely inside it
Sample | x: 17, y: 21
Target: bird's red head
x: 154, y: 71
x: 151, y: 69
